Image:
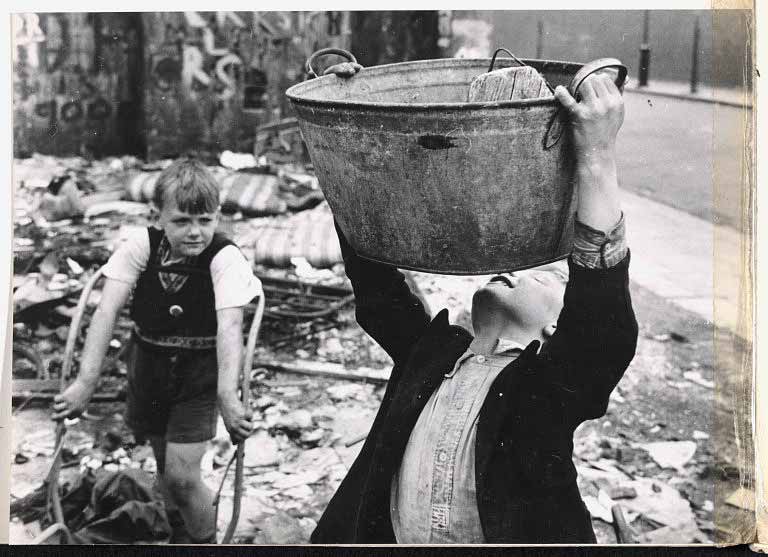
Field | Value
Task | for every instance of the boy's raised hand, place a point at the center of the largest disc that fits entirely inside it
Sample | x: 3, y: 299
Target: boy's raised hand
x: 594, y: 123
x: 597, y: 118
x: 73, y: 400
x: 237, y: 418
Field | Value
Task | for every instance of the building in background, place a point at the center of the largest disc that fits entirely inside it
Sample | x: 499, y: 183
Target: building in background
x: 160, y: 84
x: 77, y: 83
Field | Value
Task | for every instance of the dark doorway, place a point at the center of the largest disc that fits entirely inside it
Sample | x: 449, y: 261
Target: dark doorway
x: 119, y: 49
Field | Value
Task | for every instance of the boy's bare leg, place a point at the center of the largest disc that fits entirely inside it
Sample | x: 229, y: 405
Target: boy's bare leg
x: 181, y: 482
x: 180, y: 534
x: 186, y: 487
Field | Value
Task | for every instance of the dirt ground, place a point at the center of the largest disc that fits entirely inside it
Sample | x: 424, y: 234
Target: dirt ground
x: 310, y: 428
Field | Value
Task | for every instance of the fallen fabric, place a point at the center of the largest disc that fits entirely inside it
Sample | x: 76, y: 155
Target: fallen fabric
x: 73, y: 503
x: 124, y: 510
x: 132, y: 522
x: 105, y: 508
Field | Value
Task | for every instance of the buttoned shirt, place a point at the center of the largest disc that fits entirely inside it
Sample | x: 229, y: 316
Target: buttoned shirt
x: 433, y: 494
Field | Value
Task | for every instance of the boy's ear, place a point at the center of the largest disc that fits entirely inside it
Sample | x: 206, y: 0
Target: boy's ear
x: 549, y: 330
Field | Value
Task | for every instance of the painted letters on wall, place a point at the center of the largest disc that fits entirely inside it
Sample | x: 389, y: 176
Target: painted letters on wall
x: 72, y: 73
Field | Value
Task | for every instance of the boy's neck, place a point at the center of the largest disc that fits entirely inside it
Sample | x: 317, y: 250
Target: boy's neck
x: 483, y: 345
x: 486, y: 339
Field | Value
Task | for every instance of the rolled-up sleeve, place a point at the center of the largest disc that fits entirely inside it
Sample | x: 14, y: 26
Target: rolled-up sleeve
x: 595, y: 249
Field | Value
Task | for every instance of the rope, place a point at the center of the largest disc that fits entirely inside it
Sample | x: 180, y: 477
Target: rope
x: 245, y: 389
x: 221, y: 487
x: 54, y: 496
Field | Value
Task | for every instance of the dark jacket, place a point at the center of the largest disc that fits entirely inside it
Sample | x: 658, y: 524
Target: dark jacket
x: 525, y: 477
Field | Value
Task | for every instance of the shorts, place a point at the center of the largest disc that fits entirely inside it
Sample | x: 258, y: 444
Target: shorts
x: 172, y: 393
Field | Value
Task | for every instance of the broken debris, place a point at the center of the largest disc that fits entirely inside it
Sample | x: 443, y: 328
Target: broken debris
x: 696, y: 377
x: 597, y: 510
x: 261, y: 450
x: 671, y: 454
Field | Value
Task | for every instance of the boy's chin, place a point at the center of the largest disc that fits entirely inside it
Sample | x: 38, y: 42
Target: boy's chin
x: 191, y: 250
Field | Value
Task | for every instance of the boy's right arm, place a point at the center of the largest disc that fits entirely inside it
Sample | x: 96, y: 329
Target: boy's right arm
x: 385, y: 307
x: 75, y: 398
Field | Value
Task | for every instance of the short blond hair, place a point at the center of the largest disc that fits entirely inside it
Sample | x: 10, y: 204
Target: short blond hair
x: 190, y: 184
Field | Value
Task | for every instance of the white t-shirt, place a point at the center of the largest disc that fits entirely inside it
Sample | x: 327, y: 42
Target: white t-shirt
x: 234, y: 284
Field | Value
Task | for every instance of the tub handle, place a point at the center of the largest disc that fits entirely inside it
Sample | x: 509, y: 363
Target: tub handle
x: 324, y: 51
x: 493, y: 60
x: 555, y: 128
x: 595, y: 66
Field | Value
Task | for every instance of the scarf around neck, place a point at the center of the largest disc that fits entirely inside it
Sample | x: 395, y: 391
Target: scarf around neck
x: 172, y: 282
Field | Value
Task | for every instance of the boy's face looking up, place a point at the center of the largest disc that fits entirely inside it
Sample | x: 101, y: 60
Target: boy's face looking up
x: 188, y: 233
x: 526, y: 302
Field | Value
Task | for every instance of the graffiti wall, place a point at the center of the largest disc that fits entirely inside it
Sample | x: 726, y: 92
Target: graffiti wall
x: 76, y: 83
x: 158, y: 84
x: 213, y: 77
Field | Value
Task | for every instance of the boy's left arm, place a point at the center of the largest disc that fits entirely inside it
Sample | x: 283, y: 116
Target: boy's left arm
x: 596, y: 333
x: 229, y: 351
x: 234, y: 287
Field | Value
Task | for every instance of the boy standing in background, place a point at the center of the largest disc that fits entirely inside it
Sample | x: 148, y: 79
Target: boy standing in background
x: 189, y: 286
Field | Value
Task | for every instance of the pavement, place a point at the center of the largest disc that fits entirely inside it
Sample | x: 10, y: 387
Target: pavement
x: 730, y: 96
x: 673, y: 256
x: 681, y: 166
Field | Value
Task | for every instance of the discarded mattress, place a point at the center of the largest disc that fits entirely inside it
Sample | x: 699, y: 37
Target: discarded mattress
x: 309, y: 234
x: 251, y: 194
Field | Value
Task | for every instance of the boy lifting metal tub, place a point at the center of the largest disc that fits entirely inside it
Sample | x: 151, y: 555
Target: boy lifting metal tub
x: 474, y: 437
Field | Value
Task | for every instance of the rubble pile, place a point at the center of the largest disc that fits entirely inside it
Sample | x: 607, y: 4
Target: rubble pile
x: 317, y: 380
x: 651, y: 454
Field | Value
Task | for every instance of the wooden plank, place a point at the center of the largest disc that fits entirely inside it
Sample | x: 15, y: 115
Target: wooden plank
x: 519, y: 82
x: 36, y: 385
x: 46, y: 389
x: 323, y: 369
